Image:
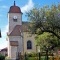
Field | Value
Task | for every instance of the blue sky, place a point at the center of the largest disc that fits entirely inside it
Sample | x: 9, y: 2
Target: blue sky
x: 25, y: 6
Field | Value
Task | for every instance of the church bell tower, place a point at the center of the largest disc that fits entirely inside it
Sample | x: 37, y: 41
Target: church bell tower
x: 15, y: 40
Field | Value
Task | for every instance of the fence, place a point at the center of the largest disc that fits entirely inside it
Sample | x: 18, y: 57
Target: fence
x: 41, y: 57
x: 37, y: 56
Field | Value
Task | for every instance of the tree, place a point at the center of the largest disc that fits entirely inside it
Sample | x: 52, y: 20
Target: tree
x: 2, y: 57
x: 46, y: 19
x: 47, y: 40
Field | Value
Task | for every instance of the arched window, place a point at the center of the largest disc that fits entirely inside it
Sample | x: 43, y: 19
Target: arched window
x: 29, y: 44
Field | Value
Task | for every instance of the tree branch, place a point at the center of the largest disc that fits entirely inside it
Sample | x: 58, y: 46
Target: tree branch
x: 52, y: 33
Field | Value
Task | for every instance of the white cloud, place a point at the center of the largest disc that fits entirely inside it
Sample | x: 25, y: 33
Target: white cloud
x: 28, y: 6
x: 4, y: 32
x: 3, y: 41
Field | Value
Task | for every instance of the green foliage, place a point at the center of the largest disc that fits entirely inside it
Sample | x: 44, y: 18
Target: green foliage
x: 45, y: 23
x: 42, y: 38
x: 46, y: 40
x: 45, y: 19
x: 32, y: 58
x: 31, y: 54
x: 2, y: 57
x: 7, y: 58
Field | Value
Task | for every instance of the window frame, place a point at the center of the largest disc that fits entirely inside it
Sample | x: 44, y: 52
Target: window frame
x: 15, y: 20
x: 29, y: 44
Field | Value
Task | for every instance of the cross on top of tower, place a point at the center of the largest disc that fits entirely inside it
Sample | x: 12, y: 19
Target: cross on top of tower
x: 14, y: 3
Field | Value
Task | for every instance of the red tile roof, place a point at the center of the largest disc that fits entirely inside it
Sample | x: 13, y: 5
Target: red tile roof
x: 19, y: 28
x: 25, y: 26
x: 16, y: 31
x: 14, y: 9
x: 5, y: 49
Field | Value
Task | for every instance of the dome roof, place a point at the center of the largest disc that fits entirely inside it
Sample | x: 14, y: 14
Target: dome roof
x: 14, y: 9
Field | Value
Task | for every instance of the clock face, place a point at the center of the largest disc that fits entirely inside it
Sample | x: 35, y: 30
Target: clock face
x: 15, y: 17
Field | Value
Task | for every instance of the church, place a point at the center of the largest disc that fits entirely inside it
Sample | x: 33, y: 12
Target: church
x: 19, y: 39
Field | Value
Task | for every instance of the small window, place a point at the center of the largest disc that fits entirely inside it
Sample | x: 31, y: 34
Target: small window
x: 15, y: 20
x: 29, y: 44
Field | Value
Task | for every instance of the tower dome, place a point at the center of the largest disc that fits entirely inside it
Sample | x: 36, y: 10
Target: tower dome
x: 14, y: 9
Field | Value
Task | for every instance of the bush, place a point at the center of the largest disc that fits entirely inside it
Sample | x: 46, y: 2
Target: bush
x: 32, y: 58
x: 2, y: 57
x: 7, y: 58
x: 31, y: 54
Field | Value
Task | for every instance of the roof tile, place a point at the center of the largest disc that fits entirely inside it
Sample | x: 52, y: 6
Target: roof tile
x: 16, y: 31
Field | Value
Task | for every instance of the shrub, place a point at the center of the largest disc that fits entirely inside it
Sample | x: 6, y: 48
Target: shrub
x: 7, y: 58
x: 2, y: 57
x: 31, y: 54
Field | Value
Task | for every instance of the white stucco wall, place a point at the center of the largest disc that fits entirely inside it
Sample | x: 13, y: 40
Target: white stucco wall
x: 12, y: 24
x: 30, y: 37
x: 12, y: 50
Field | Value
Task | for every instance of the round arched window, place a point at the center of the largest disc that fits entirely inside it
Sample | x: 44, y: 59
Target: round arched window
x: 29, y: 44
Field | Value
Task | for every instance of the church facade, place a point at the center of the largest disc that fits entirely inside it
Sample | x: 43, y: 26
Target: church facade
x: 19, y: 38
